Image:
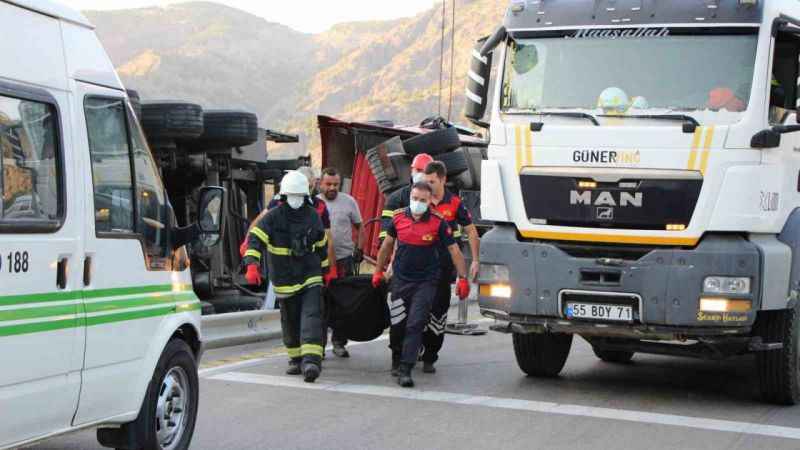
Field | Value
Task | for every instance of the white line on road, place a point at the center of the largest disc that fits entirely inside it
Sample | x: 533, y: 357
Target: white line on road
x: 519, y: 405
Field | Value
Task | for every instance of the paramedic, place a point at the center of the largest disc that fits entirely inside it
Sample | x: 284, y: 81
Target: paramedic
x: 419, y: 233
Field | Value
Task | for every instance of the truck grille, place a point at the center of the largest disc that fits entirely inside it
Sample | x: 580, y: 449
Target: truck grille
x: 641, y: 204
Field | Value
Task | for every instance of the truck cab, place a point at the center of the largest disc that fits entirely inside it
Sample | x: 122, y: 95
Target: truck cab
x: 99, y: 326
x: 642, y: 178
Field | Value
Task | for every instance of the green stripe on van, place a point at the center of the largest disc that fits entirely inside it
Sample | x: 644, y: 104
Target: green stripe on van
x: 40, y: 327
x: 99, y: 293
x: 174, y: 298
x: 38, y: 313
x: 40, y: 298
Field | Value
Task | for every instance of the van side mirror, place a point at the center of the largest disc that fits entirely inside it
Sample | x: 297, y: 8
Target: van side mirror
x: 210, y: 215
x: 478, y: 79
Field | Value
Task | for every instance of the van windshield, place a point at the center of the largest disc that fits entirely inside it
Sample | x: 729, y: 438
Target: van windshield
x: 708, y: 77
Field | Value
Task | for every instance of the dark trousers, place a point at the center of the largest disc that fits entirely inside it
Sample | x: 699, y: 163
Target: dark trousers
x: 301, y: 324
x: 410, y: 310
x: 433, y: 338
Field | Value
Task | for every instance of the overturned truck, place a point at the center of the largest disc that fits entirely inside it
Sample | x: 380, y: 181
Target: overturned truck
x: 194, y: 148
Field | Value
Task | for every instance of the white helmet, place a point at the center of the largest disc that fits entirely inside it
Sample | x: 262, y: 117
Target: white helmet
x: 294, y: 183
x: 613, y: 100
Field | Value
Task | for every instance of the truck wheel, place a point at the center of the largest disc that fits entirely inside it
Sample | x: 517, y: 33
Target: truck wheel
x: 168, y: 120
x: 455, y: 161
x: 613, y: 356
x: 433, y: 142
x: 778, y: 370
x: 225, y: 129
x: 542, y: 355
x: 169, y: 411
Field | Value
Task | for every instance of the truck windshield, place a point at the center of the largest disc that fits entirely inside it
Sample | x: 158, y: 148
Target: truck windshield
x: 707, y: 77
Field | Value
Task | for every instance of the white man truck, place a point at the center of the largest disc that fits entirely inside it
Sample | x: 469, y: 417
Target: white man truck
x: 643, y: 179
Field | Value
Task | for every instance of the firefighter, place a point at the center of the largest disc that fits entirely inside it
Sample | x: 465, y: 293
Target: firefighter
x: 450, y: 207
x: 399, y: 199
x: 420, y: 233
x: 293, y: 241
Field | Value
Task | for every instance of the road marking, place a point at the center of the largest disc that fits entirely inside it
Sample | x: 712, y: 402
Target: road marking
x: 254, y: 359
x: 649, y: 418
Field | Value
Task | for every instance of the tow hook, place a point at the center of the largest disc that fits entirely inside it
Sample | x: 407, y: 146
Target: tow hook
x: 610, y: 262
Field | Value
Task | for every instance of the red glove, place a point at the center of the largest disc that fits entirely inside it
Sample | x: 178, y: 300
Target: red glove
x: 332, y: 274
x: 253, y: 275
x: 243, y: 248
x: 377, y: 279
x: 462, y: 288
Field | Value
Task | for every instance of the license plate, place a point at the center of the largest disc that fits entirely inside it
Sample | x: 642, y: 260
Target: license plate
x: 596, y: 311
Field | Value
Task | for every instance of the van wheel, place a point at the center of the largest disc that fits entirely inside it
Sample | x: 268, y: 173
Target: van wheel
x: 169, y: 411
x: 779, y: 370
x: 613, y: 356
x: 542, y: 355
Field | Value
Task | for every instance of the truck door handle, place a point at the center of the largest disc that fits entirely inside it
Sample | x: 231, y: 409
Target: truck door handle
x: 61, y: 273
x: 87, y: 271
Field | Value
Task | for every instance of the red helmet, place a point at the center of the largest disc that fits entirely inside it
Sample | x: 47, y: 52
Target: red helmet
x: 421, y: 161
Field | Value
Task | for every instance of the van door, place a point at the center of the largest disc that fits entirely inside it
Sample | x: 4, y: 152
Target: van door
x: 129, y: 284
x: 41, y: 325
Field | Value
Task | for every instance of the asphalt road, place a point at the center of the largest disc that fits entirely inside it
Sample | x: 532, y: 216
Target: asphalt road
x: 480, y: 399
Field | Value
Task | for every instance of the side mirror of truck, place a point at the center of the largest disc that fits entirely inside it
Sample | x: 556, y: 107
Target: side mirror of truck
x: 479, y: 77
x: 208, y: 228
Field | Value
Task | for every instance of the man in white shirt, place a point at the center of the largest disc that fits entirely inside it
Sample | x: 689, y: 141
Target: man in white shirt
x: 345, y: 216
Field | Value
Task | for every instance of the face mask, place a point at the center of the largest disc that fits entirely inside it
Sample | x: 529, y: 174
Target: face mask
x: 295, y: 201
x: 418, y: 208
x: 417, y: 177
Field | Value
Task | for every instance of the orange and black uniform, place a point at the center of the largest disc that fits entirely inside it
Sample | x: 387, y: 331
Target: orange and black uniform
x: 416, y: 272
x: 452, y: 209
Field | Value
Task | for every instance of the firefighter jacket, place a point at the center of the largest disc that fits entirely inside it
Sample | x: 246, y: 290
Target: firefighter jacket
x: 295, y: 246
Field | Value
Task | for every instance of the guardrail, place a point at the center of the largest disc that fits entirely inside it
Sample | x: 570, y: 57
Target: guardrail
x: 224, y: 330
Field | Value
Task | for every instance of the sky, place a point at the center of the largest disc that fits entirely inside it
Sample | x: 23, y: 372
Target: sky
x: 311, y: 16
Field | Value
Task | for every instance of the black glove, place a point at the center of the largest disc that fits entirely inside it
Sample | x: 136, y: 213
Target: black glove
x: 358, y: 256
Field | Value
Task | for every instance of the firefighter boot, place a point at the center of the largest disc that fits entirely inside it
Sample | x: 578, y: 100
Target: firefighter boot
x: 311, y: 371
x: 428, y: 367
x: 294, y: 367
x: 404, y: 379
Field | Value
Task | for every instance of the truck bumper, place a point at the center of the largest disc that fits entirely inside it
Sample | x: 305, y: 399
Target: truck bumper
x: 663, y: 285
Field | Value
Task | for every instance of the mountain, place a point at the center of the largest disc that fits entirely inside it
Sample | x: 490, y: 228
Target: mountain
x: 222, y: 57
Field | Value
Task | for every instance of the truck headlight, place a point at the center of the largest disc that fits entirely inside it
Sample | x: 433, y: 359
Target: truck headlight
x: 494, y: 273
x: 495, y: 290
x: 727, y: 285
x: 725, y: 305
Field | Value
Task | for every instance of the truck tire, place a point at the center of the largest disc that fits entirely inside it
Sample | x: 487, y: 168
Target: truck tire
x: 542, y: 355
x: 169, y: 120
x: 169, y: 410
x: 778, y: 370
x: 613, y: 356
x: 223, y: 128
x: 456, y: 162
x: 433, y: 143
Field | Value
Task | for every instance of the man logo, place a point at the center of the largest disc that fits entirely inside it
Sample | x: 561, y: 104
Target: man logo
x: 605, y: 214
x: 605, y: 198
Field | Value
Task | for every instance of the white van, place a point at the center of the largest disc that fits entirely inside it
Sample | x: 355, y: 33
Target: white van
x: 98, y: 322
